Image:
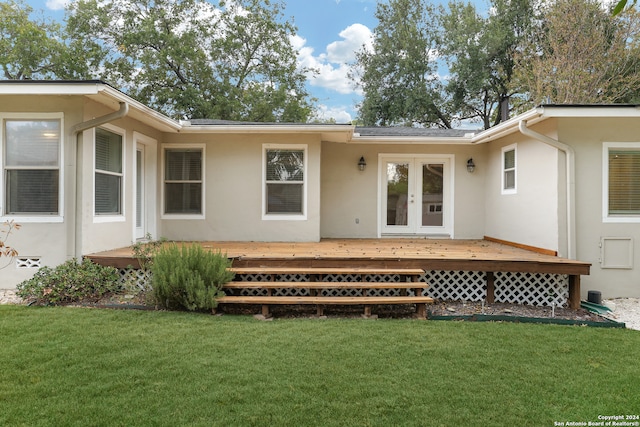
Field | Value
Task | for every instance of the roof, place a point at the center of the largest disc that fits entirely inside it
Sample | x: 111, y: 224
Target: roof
x: 217, y: 122
x: 411, y: 131
x: 111, y: 97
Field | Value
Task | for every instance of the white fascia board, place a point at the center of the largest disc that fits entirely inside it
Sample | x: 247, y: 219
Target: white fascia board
x: 99, y: 92
x: 510, y: 126
x: 332, y: 133
x: 138, y: 110
x: 259, y: 128
x: 620, y: 111
x: 39, y: 88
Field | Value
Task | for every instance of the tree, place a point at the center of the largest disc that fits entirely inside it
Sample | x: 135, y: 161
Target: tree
x: 580, y: 55
x: 412, y: 42
x: 398, y: 77
x: 192, y: 59
x: 29, y: 48
x: 480, y: 53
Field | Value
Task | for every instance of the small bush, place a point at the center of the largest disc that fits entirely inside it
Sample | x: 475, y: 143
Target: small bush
x: 189, y: 277
x: 70, y: 282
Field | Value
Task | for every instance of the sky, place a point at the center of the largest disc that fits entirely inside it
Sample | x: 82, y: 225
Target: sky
x: 329, y: 33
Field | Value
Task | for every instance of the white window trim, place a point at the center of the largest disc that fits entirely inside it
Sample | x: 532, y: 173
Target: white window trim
x: 513, y: 190
x: 606, y: 147
x: 284, y: 217
x: 98, y: 218
x: 59, y: 218
x: 201, y: 147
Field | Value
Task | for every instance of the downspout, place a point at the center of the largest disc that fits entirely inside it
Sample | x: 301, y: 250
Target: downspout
x: 570, y: 178
x: 76, y: 250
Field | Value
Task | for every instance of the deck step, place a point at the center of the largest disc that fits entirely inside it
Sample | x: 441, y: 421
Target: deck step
x: 325, y: 285
x: 327, y: 270
x: 324, y: 300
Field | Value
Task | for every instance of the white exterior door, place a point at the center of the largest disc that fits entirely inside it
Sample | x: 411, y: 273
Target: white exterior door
x: 140, y: 193
x: 416, y: 195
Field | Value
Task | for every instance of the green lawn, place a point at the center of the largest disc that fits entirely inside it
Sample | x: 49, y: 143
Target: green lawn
x: 72, y: 366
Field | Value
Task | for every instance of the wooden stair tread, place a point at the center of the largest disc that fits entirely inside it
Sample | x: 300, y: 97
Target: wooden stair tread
x: 326, y: 285
x: 324, y: 300
x: 326, y: 270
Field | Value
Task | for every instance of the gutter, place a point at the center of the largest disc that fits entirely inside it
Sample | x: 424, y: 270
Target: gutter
x: 570, y: 179
x: 75, y: 131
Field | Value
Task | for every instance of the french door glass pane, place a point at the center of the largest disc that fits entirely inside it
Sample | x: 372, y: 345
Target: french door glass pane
x: 432, y: 185
x: 397, y: 193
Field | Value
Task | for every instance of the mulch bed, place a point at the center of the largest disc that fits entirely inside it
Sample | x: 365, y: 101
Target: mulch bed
x: 440, y: 309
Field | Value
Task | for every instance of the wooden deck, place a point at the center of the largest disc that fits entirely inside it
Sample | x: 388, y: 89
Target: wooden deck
x: 449, y: 255
x: 474, y: 255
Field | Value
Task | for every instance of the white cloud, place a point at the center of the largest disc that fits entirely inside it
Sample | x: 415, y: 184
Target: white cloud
x: 354, y: 37
x: 338, y: 113
x: 332, y: 66
x: 56, y: 4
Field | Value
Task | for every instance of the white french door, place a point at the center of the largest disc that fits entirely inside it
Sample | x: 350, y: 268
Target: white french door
x: 416, y: 195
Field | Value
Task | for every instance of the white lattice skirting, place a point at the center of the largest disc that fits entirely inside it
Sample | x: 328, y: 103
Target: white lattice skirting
x: 522, y: 288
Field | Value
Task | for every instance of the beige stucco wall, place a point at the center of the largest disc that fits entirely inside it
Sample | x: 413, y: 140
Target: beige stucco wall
x: 233, y: 191
x: 54, y: 242
x: 531, y: 216
x: 350, y: 205
x: 115, y: 232
x: 587, y: 137
x: 44, y: 240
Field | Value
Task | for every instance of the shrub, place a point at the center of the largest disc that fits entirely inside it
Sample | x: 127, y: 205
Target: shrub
x: 189, y: 277
x: 70, y: 282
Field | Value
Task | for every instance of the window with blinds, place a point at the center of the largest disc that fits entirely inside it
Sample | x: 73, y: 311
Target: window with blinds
x: 624, y: 181
x: 509, y: 169
x: 183, y: 183
x: 32, y: 167
x: 108, y: 173
x: 284, y: 181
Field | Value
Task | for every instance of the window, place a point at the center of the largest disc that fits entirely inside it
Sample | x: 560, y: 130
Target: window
x: 108, y: 173
x: 183, y: 181
x: 32, y: 167
x: 509, y: 169
x: 284, y: 181
x: 621, y: 199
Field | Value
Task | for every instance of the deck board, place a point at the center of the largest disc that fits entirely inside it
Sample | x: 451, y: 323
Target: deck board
x: 471, y: 255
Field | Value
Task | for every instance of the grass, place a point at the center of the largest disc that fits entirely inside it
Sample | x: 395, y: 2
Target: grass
x: 80, y: 367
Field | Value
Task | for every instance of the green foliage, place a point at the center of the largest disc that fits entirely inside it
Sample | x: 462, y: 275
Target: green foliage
x: 188, y: 277
x: 36, y: 48
x: 399, y: 77
x: 480, y: 51
x: 70, y: 282
x: 580, y: 54
x: 144, y: 252
x: 194, y: 59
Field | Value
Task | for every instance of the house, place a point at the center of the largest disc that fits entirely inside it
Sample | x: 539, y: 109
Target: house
x: 86, y: 168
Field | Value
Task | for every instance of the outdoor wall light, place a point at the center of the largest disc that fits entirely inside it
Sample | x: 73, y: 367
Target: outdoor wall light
x: 362, y: 164
x: 470, y: 166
